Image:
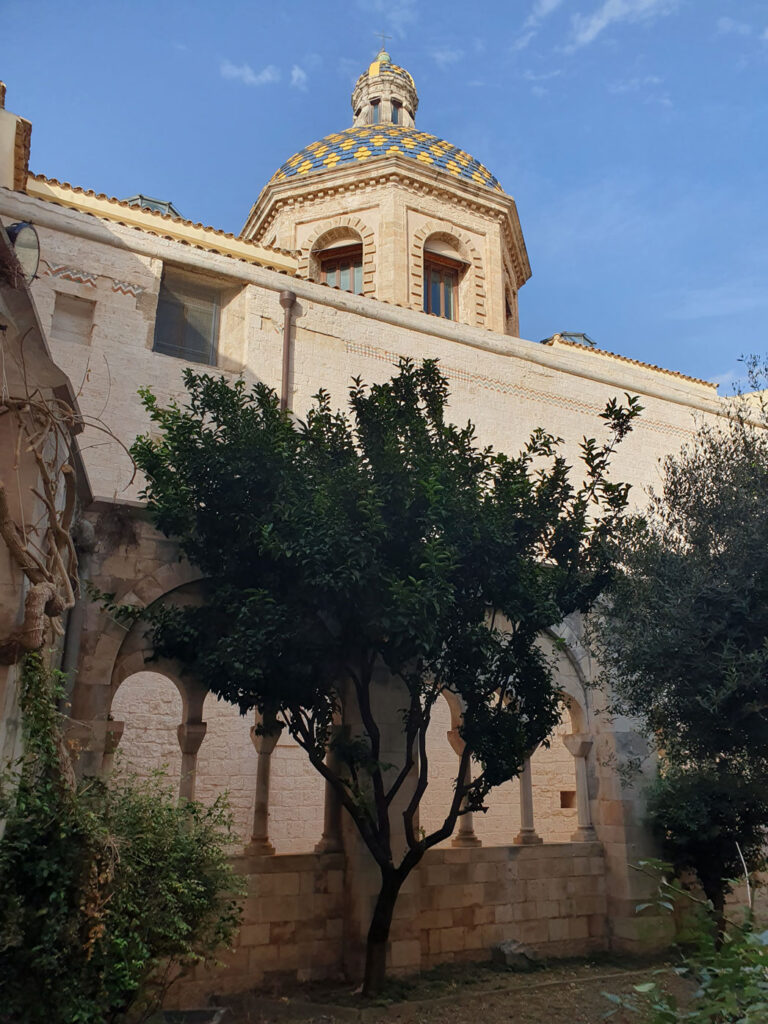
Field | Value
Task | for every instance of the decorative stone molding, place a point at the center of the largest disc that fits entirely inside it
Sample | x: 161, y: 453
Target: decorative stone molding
x: 471, y: 292
x: 334, y: 229
x: 66, y: 273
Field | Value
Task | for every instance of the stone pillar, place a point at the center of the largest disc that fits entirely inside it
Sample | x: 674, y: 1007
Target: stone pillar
x: 265, y: 745
x: 112, y: 739
x: 579, y: 744
x: 331, y: 838
x: 190, y: 735
x: 466, y: 834
x: 527, y: 836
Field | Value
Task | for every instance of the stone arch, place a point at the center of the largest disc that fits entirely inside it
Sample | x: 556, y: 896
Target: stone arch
x: 334, y: 230
x: 148, y: 709
x: 98, y: 665
x: 471, y: 290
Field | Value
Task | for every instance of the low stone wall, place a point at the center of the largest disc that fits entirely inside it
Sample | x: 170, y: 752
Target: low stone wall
x: 551, y: 897
x: 459, y: 903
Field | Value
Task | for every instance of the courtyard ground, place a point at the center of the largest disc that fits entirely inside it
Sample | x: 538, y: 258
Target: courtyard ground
x: 564, y: 993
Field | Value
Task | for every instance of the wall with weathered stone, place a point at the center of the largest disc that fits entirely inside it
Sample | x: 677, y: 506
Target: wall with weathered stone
x: 455, y: 906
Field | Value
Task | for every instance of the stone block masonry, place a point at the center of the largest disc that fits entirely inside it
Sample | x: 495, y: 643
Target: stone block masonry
x: 459, y: 903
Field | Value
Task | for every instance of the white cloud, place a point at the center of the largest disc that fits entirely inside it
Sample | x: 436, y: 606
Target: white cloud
x: 637, y: 84
x: 731, y: 27
x: 298, y: 77
x: 587, y: 27
x: 727, y: 299
x: 543, y: 76
x: 244, y: 73
x: 400, y: 15
x: 541, y: 9
x: 446, y: 56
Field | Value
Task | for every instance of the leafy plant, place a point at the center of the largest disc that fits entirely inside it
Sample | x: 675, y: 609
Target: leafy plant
x: 107, y: 889
x: 340, y: 551
x: 683, y: 637
x: 730, y: 985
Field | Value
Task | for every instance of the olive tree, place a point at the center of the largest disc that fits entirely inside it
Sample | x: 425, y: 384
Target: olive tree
x: 382, y: 538
x: 684, y: 640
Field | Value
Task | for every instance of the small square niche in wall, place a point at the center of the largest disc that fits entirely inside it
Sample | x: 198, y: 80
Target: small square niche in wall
x: 72, y: 319
x: 567, y: 798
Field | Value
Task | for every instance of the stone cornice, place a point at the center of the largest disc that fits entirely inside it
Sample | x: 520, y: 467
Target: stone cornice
x: 156, y: 223
x: 400, y: 172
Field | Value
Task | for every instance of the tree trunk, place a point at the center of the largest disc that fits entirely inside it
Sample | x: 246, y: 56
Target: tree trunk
x: 378, y: 933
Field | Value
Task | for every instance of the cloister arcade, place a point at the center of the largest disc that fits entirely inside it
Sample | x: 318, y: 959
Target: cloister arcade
x: 162, y: 721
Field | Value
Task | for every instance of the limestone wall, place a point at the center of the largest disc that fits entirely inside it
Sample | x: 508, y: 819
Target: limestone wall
x: 455, y: 906
x: 505, y: 385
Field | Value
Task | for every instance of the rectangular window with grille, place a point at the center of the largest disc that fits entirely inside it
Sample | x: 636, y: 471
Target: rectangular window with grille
x: 187, y: 322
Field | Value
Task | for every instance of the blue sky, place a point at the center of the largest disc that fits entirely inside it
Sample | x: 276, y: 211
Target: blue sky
x: 632, y: 134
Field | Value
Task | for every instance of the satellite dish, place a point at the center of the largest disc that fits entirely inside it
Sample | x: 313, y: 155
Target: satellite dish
x: 26, y: 245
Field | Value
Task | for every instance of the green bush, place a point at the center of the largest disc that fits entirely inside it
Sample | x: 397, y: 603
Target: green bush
x: 731, y: 986
x: 707, y: 819
x: 106, y: 889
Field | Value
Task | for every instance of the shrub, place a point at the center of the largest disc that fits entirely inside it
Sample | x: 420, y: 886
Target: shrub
x: 107, y: 889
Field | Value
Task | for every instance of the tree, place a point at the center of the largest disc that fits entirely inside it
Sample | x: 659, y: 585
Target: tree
x: 339, y: 545
x: 684, y: 640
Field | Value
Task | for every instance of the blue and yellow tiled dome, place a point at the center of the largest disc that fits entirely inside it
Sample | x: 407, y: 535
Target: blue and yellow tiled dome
x: 384, y: 102
x: 366, y: 142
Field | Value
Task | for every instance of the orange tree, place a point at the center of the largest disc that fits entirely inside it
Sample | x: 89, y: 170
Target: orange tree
x: 385, y: 536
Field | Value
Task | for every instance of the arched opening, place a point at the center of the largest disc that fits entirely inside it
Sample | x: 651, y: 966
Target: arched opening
x: 227, y: 763
x: 150, y: 705
x: 553, y: 776
x: 336, y: 259
x: 445, y: 274
x: 296, y: 801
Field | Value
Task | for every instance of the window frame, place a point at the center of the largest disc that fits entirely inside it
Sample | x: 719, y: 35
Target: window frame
x: 396, y: 112
x: 376, y: 111
x: 337, y: 256
x: 445, y: 266
x: 191, y: 289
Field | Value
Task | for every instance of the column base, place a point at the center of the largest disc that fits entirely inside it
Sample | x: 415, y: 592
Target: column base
x: 328, y: 846
x: 527, y: 838
x: 260, y: 848
x: 584, y: 835
x: 466, y: 840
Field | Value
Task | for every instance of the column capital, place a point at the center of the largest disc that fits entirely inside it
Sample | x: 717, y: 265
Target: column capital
x: 191, y: 735
x: 456, y: 741
x: 578, y: 743
x: 265, y: 743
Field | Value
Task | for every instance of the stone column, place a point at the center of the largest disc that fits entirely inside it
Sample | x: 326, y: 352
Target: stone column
x: 579, y: 744
x: 331, y: 838
x: 190, y: 735
x: 112, y: 739
x: 466, y: 834
x: 265, y: 745
x: 527, y: 836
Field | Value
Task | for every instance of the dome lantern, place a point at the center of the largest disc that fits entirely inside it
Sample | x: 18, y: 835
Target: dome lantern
x: 384, y: 94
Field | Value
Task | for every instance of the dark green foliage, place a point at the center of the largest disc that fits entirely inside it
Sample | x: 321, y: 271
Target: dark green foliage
x: 686, y: 640
x: 729, y: 985
x: 101, y: 884
x: 387, y: 537
x: 684, y: 637
x: 699, y: 815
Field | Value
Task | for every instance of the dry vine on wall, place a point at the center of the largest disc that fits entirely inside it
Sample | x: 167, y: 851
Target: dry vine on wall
x: 43, y: 550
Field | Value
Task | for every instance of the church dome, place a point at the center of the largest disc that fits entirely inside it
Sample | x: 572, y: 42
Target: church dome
x: 384, y: 104
x: 367, y: 142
